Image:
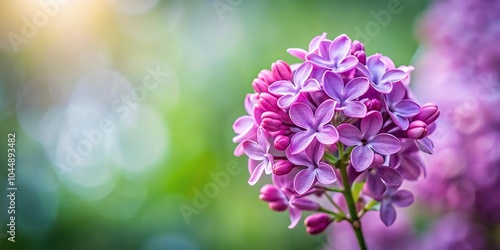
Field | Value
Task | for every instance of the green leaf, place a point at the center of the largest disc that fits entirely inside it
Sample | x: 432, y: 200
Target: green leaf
x: 356, y: 189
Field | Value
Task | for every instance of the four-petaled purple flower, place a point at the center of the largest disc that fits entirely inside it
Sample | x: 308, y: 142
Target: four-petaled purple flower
x: 316, y: 125
x: 400, y: 109
x: 391, y: 197
x: 315, y: 169
x: 259, y: 151
x: 368, y: 140
x: 289, y: 91
x: 334, y: 55
x: 381, y: 78
x: 346, y: 95
x: 379, y: 176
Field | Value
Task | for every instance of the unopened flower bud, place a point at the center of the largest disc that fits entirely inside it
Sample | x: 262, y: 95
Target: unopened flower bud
x: 417, y: 130
x: 361, y: 55
x: 267, y: 76
x: 282, y: 167
x: 317, y: 223
x: 259, y: 85
x: 278, y: 206
x: 270, y: 193
x: 268, y: 102
x: 281, y: 70
x: 357, y: 46
x: 373, y: 104
x: 281, y: 142
x: 271, y: 121
x: 428, y: 114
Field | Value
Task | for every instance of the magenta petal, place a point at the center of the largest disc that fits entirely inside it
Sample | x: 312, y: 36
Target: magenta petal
x: 403, y: 198
x: 299, y: 53
x: 324, y: 113
x: 362, y: 157
x: 300, y: 141
x: 333, y: 86
x: 387, y: 213
x: 295, y: 215
x: 355, y: 109
x: 349, y: 135
x: 340, y: 48
x: 371, y: 124
x: 253, y: 150
x: 302, y: 115
x: 385, y: 144
x: 304, y: 204
x: 327, y: 135
x: 325, y: 174
x: 390, y: 176
x: 304, y: 180
x: 356, y: 87
x: 256, y: 174
x: 282, y: 88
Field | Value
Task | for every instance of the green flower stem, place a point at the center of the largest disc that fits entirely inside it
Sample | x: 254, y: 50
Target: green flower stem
x: 355, y: 222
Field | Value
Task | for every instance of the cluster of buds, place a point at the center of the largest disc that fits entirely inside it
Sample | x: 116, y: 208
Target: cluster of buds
x: 338, y: 133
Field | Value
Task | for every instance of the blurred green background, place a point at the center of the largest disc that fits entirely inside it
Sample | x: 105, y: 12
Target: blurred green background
x: 61, y: 77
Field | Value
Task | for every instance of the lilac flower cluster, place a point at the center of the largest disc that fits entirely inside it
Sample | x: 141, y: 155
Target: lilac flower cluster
x: 339, y: 127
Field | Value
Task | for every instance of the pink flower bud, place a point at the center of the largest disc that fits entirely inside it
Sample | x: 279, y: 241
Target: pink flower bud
x: 428, y: 114
x: 357, y: 46
x: 268, y: 102
x: 267, y: 76
x: 361, y: 55
x: 271, y: 121
x: 317, y: 223
x: 259, y: 85
x: 281, y: 70
x: 417, y: 130
x: 278, y: 206
x: 281, y: 142
x: 282, y: 167
x: 270, y: 193
x: 373, y: 104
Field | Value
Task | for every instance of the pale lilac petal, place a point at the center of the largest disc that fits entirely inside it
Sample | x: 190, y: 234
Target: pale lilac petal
x: 376, y: 66
x: 362, y: 70
x: 385, y: 144
x: 340, y: 48
x: 384, y: 87
x: 299, y: 159
x: 320, y: 61
x: 304, y: 180
x: 311, y: 85
x: 411, y: 166
x: 361, y: 157
x: 390, y: 176
x: 325, y: 174
x: 347, y: 64
x: 314, y: 44
x: 371, y: 124
x: 403, y: 198
x: 406, y: 108
x: 328, y: 135
x: 354, y: 109
x: 397, y: 94
x: 282, y: 87
x: 324, y: 49
x: 287, y: 101
x: 356, y: 87
x: 299, y: 53
x: 250, y: 100
x: 302, y: 73
x: 238, y: 151
x: 252, y: 164
x: 324, y: 113
x: 394, y: 75
x: 316, y: 150
x: 426, y: 145
x: 387, y: 213
x: 243, y: 126
x: 349, y: 135
x: 262, y: 140
x: 295, y: 215
x: 253, y: 150
x: 402, y: 122
x: 268, y: 164
x: 302, y: 115
x: 256, y: 174
x: 333, y: 86
x: 300, y: 141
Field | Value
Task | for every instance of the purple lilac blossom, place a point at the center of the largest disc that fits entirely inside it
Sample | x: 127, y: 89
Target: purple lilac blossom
x: 337, y: 111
